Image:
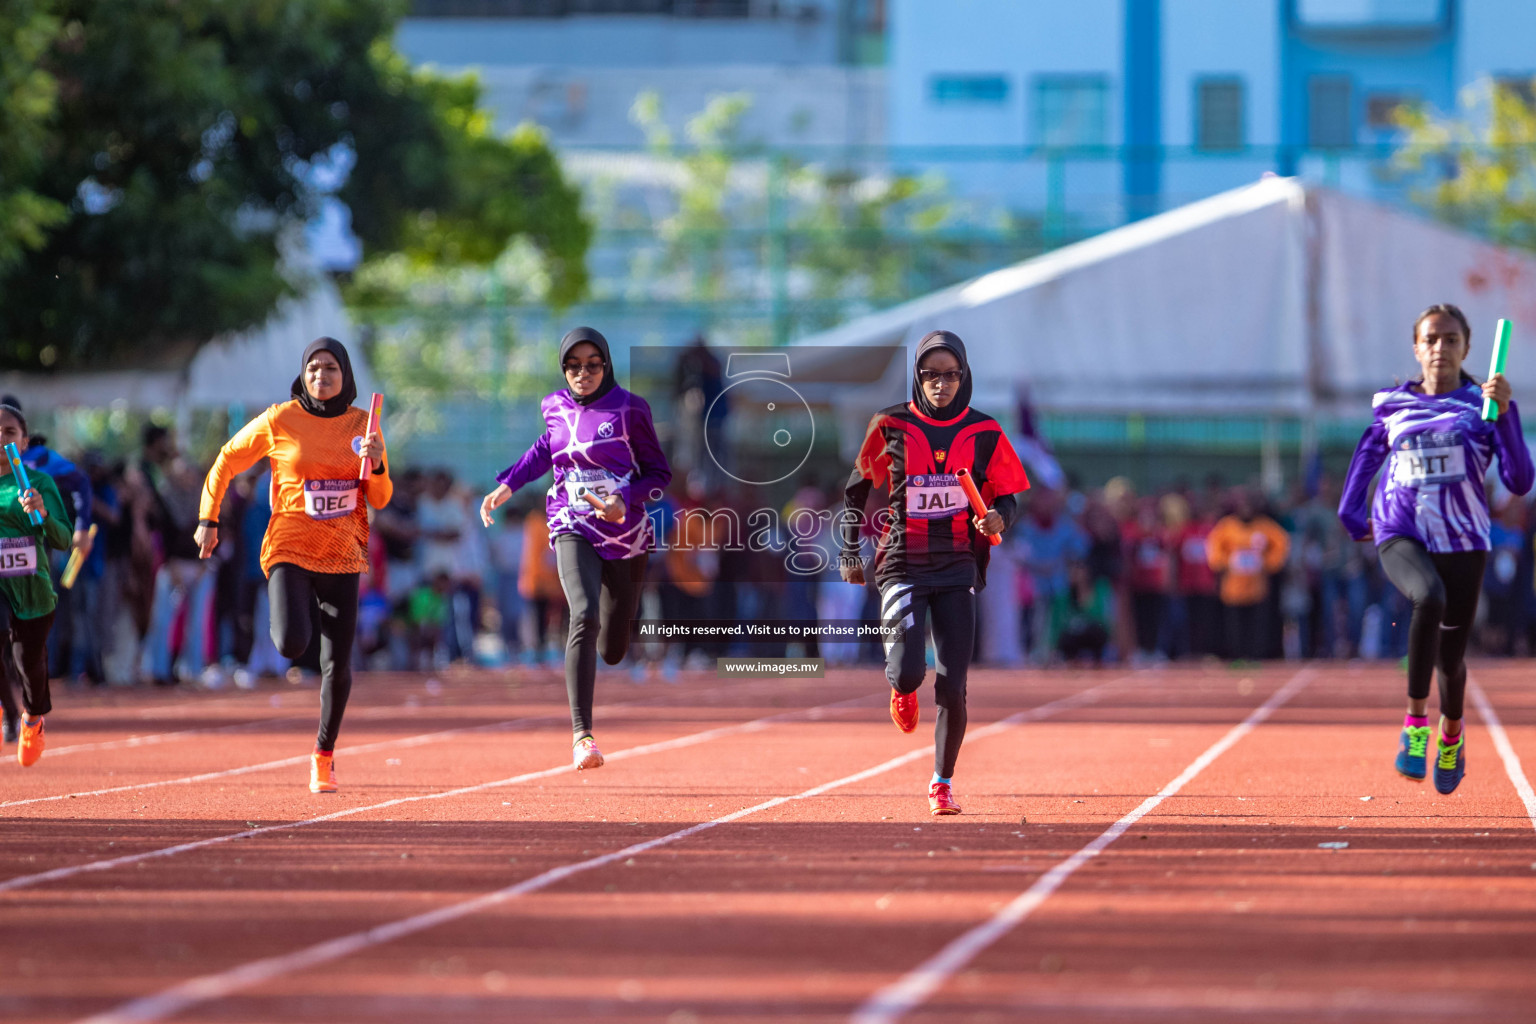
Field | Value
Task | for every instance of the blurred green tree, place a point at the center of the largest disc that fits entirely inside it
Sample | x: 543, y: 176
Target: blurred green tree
x: 28, y: 99
x: 175, y: 152
x: 816, y: 242
x: 1481, y: 163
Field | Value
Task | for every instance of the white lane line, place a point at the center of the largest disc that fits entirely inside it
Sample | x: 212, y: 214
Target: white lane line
x: 906, y: 994
x: 1512, y: 766
x: 217, y: 986
x: 155, y: 739
x: 177, y: 734
x: 57, y: 874
x: 194, y: 702
x: 287, y: 762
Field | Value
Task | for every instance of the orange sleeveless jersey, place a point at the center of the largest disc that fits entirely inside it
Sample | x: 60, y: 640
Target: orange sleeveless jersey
x: 318, y: 519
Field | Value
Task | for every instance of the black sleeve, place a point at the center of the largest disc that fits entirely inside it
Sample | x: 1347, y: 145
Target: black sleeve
x: 76, y: 487
x: 1007, y: 506
x: 855, y: 497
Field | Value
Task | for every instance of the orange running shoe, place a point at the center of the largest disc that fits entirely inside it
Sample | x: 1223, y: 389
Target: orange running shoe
x: 904, y: 710
x: 941, y: 800
x: 322, y: 773
x: 30, y: 747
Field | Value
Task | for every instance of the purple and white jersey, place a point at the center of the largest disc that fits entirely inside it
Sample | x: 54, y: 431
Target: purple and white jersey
x: 1437, y: 449
x: 608, y: 447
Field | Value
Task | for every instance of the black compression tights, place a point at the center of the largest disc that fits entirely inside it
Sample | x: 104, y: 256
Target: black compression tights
x: 953, y: 611
x: 25, y: 659
x: 1444, y: 588
x: 603, y: 595
x: 293, y: 593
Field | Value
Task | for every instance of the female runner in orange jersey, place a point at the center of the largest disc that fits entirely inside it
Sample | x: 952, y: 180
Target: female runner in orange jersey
x: 317, y: 541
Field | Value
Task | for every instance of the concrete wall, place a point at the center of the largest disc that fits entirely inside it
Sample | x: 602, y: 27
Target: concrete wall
x: 617, y: 41
x: 1015, y: 39
x: 822, y: 105
x: 1496, y: 38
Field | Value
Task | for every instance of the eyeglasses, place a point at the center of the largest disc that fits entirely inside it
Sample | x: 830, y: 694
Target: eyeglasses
x: 934, y: 376
x: 591, y: 366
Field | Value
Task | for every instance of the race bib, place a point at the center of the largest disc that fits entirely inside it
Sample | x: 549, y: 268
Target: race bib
x: 935, y: 497
x: 1429, y: 459
x: 1194, y: 550
x: 594, y: 480
x: 330, y: 499
x: 1247, y: 561
x: 1504, y: 566
x: 18, y: 556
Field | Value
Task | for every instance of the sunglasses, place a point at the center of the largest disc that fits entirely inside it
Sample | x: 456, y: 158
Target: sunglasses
x: 592, y: 366
x: 934, y: 376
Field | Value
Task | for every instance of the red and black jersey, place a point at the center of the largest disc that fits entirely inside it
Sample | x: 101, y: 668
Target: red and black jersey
x: 925, y: 535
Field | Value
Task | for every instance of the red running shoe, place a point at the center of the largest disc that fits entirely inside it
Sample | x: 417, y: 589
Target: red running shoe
x: 941, y: 800
x: 322, y: 773
x: 30, y: 747
x: 904, y: 710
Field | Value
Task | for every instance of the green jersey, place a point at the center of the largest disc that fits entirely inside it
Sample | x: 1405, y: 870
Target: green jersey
x: 24, y: 577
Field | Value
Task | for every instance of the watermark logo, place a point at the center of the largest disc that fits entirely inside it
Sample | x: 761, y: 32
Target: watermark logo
x: 760, y: 386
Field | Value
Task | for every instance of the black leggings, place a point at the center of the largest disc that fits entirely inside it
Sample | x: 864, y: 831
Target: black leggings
x: 293, y: 593
x: 1444, y: 588
x: 603, y: 595
x: 953, y: 611
x: 26, y: 656
x: 1245, y: 631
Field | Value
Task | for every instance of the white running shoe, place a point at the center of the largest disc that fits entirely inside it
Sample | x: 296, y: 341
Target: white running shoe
x: 586, y: 755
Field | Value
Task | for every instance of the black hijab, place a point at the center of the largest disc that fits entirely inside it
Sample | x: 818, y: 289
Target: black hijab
x: 331, y: 407
x: 962, y: 399
x: 575, y: 337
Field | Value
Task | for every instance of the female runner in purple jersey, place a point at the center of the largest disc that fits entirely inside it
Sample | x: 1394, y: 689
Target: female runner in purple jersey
x: 1430, y: 519
x: 599, y: 439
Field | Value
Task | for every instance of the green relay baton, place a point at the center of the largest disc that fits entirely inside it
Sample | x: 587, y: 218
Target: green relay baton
x: 1500, y: 353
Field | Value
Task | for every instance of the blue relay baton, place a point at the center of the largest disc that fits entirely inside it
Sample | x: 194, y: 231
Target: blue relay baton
x: 20, y: 472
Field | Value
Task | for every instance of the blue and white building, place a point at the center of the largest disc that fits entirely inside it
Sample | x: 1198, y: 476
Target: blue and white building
x: 812, y: 68
x: 1117, y: 108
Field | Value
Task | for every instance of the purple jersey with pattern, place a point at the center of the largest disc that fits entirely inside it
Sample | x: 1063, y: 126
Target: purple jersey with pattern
x: 608, y: 447
x: 1436, y: 450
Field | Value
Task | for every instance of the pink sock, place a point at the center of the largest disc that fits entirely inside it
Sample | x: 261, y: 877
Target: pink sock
x: 1415, y: 721
x: 1450, y: 737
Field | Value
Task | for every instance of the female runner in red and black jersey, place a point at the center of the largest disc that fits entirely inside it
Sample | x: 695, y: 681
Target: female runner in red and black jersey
x: 932, y: 554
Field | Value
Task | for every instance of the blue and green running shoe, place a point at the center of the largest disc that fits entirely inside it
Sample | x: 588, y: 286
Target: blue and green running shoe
x: 1411, y: 751
x: 1451, y: 763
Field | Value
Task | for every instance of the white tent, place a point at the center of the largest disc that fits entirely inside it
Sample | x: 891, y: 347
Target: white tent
x: 255, y: 368
x: 1278, y: 298
x: 252, y: 369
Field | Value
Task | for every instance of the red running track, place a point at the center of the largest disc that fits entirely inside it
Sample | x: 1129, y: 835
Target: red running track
x: 1142, y: 846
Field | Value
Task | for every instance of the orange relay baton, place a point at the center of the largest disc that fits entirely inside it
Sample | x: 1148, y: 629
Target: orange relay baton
x: 375, y: 410
x: 978, y: 506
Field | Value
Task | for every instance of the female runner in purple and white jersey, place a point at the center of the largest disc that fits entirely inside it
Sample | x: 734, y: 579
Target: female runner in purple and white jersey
x: 598, y: 438
x: 1430, y: 519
